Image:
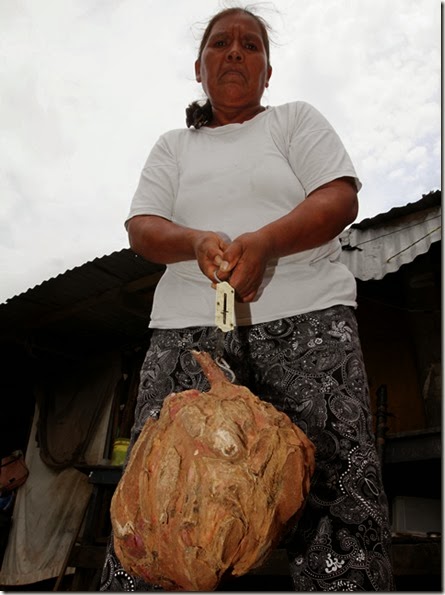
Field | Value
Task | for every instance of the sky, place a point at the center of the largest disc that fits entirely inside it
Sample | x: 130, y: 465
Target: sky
x: 87, y: 87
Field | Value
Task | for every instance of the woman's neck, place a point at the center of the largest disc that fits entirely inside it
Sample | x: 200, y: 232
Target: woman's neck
x: 224, y: 117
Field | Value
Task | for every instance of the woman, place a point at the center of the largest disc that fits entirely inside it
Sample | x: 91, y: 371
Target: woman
x: 258, y: 196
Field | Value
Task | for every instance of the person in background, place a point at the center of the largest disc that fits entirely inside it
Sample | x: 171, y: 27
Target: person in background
x: 258, y: 196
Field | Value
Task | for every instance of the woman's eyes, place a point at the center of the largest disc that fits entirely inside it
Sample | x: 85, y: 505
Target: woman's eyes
x: 248, y: 45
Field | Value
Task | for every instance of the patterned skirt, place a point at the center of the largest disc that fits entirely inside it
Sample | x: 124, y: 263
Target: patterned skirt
x: 311, y: 367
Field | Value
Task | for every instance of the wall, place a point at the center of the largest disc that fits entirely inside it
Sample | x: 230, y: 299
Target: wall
x: 400, y: 327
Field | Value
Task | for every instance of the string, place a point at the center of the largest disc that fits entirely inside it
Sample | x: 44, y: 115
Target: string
x: 221, y: 362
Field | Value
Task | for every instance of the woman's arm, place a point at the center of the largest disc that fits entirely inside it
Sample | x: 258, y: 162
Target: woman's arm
x: 162, y: 241
x: 322, y: 216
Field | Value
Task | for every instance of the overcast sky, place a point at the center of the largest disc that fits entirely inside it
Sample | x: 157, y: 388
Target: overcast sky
x: 87, y: 86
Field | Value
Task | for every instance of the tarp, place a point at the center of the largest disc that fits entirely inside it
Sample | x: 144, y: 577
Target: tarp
x: 50, y: 506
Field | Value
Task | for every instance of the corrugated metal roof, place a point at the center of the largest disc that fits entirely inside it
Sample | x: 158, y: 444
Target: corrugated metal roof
x: 381, y: 245
x: 106, y: 300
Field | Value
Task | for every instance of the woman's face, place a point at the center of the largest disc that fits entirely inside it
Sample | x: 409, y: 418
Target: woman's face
x: 233, y: 67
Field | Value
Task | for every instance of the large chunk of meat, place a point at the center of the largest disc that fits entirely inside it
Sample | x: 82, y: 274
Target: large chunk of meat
x: 210, y: 487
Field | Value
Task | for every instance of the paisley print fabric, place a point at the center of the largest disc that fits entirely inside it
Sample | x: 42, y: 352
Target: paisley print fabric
x: 310, y: 366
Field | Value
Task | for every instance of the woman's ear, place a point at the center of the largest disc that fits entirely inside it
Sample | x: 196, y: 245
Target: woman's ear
x: 198, y: 71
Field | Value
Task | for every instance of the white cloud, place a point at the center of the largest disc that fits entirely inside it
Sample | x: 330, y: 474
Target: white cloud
x: 87, y: 86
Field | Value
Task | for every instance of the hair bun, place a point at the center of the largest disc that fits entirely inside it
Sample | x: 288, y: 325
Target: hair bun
x: 198, y: 114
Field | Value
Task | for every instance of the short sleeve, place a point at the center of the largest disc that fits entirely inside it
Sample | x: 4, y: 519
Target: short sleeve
x: 158, y: 183
x: 316, y: 153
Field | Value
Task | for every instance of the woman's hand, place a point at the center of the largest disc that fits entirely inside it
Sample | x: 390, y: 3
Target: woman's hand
x: 209, y: 249
x: 244, y: 263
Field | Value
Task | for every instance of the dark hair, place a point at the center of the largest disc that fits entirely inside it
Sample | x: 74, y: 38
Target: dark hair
x: 199, y: 113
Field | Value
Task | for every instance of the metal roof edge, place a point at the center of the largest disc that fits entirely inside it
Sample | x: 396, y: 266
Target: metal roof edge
x: 432, y: 199
x: 105, y: 264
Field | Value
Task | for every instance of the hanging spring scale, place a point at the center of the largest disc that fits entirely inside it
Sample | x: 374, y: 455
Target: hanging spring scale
x: 224, y: 321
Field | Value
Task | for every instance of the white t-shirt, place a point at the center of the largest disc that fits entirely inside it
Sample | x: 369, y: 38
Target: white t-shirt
x: 237, y: 178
